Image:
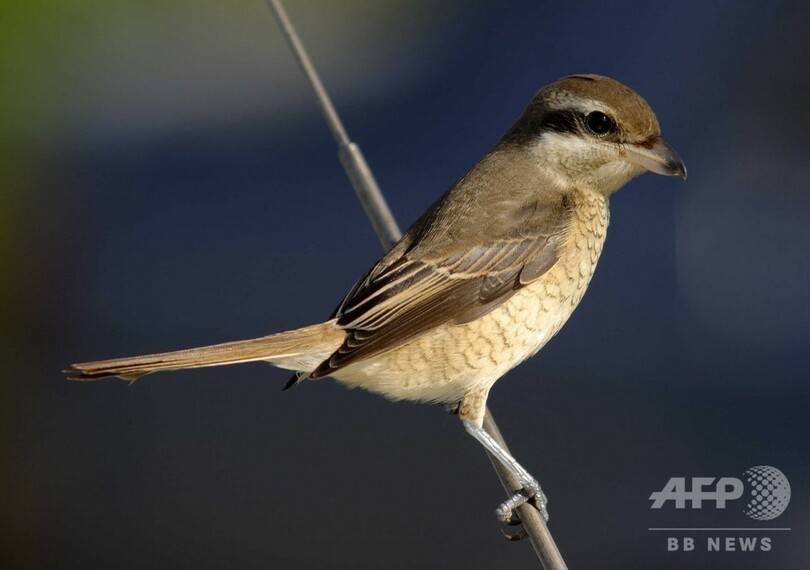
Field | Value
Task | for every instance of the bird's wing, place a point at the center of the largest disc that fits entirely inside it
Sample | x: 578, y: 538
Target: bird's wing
x: 410, y: 291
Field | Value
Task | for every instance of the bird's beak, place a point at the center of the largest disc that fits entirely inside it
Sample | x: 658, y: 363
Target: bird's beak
x: 657, y: 157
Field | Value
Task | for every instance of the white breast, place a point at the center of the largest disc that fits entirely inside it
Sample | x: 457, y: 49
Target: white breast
x: 444, y: 364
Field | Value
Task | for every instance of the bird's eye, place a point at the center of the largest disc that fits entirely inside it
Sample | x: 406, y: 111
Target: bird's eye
x: 599, y: 123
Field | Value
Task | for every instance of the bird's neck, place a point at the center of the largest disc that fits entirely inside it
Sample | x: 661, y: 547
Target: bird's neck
x: 591, y: 218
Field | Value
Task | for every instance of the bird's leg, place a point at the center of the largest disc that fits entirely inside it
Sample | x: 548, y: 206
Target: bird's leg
x: 471, y: 411
x: 530, y: 487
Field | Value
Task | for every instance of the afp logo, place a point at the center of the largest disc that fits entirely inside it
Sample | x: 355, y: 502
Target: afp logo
x: 766, y: 492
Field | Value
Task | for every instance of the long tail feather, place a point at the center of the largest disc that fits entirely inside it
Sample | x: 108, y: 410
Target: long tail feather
x: 300, y: 349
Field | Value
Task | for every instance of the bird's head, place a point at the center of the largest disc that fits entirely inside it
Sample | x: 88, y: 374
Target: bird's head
x: 593, y: 131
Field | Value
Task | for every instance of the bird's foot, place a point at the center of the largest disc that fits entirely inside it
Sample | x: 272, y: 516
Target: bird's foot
x: 514, y: 520
x: 530, y: 493
x: 516, y: 537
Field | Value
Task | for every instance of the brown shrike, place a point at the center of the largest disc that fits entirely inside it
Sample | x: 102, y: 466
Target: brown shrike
x: 484, y: 278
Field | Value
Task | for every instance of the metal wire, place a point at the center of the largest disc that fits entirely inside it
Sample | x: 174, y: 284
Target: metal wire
x: 354, y: 163
x: 387, y: 230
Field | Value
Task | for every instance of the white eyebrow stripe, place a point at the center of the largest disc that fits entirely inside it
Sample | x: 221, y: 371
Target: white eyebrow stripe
x: 583, y: 106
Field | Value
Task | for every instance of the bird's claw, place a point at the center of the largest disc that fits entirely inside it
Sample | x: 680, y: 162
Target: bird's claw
x: 514, y: 520
x: 517, y: 537
x: 530, y: 493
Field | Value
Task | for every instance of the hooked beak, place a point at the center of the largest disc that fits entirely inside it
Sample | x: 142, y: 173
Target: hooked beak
x: 658, y: 157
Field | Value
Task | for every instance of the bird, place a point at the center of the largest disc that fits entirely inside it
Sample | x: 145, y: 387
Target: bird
x: 483, y: 279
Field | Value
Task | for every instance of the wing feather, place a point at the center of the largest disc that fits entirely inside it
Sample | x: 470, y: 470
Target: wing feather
x: 446, y: 271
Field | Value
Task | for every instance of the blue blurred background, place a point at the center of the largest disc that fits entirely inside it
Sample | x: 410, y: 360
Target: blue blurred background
x: 167, y: 181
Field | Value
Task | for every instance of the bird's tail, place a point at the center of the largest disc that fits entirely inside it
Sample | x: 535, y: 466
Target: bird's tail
x: 300, y: 349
